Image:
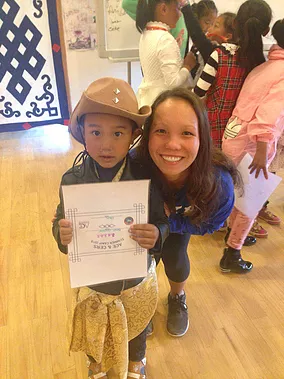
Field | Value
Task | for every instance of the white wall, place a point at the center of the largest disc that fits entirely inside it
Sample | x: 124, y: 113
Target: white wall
x: 233, y: 6
x: 86, y: 66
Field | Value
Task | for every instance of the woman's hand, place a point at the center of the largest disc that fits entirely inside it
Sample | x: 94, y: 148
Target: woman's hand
x: 65, y: 231
x: 260, y: 160
x: 146, y: 235
x: 179, y: 38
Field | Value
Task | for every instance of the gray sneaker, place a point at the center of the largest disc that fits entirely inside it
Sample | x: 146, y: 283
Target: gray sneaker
x: 177, y: 323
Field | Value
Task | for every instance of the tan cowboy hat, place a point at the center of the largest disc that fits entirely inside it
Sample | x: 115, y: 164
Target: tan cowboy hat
x: 111, y: 96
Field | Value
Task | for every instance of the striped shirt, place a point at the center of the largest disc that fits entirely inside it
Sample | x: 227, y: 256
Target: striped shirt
x: 208, y: 75
x: 221, y: 82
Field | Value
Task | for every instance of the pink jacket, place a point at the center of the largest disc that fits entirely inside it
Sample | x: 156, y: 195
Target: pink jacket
x: 259, y: 112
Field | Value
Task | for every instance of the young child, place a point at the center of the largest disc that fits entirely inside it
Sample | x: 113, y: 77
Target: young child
x: 222, y: 29
x: 205, y: 12
x: 162, y: 65
x: 230, y: 63
x: 106, y: 121
x: 205, y: 41
x: 255, y: 127
x: 179, y: 32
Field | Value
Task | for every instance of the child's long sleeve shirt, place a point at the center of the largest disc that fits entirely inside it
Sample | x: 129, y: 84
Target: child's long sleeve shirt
x: 259, y: 112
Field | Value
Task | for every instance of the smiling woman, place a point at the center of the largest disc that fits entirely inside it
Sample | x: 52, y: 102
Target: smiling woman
x: 176, y: 145
x: 174, y: 150
x: 197, y: 183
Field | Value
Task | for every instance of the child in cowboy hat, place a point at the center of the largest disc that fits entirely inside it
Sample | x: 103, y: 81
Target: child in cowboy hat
x: 110, y: 319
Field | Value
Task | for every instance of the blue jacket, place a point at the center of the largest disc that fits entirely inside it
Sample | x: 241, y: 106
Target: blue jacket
x: 181, y: 224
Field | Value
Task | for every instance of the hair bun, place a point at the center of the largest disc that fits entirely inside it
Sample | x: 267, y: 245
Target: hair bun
x: 278, y: 32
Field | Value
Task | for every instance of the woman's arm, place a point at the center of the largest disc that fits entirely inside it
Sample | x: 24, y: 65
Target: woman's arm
x: 203, y: 44
x: 208, y: 75
x: 225, y: 200
x: 158, y: 217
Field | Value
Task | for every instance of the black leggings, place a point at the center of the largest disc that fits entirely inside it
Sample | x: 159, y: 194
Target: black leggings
x: 175, y: 258
x: 177, y: 267
x: 137, y: 347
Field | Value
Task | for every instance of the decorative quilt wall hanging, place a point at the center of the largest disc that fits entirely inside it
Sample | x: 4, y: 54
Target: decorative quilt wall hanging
x: 32, y: 85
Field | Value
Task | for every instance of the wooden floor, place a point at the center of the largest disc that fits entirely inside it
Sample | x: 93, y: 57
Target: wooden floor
x: 236, y: 322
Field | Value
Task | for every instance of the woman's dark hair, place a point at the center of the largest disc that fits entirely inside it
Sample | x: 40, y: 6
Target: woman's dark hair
x: 202, y: 187
x: 203, y: 8
x: 229, y: 19
x: 145, y: 12
x: 251, y: 22
x: 278, y: 32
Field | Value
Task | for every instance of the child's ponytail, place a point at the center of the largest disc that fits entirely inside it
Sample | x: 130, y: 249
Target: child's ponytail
x: 251, y: 43
x: 142, y: 15
x: 252, y: 22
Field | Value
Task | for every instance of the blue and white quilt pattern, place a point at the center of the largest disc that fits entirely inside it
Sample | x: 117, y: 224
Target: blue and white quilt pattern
x: 32, y: 86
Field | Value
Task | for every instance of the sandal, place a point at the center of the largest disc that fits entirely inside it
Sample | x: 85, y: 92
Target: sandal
x: 258, y: 231
x: 269, y: 217
x: 95, y: 371
x: 137, y: 369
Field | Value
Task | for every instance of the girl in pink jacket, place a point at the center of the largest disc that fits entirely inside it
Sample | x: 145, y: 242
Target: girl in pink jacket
x: 255, y: 127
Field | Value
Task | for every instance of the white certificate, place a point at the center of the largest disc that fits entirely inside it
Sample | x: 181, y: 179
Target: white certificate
x: 101, y: 213
x: 256, y: 191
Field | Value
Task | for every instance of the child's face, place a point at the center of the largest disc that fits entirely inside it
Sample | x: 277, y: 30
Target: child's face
x: 206, y: 22
x: 108, y: 138
x: 218, y: 30
x: 169, y: 13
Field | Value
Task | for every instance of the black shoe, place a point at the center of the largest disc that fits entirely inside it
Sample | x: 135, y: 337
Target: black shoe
x: 249, y: 241
x: 177, y: 323
x: 150, y: 329
x: 232, y: 262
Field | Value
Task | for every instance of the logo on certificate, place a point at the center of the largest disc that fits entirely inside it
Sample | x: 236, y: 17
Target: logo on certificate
x: 128, y: 221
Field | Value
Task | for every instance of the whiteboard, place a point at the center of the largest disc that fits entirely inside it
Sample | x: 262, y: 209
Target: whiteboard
x: 118, y: 37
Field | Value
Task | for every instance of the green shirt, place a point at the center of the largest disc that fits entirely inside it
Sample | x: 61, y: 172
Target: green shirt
x: 130, y: 8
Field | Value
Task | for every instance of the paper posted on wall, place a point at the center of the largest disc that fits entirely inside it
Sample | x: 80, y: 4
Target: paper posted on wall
x: 101, y: 213
x: 256, y: 191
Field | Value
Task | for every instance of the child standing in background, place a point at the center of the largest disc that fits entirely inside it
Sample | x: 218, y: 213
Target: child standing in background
x: 110, y: 319
x: 255, y: 127
x: 179, y: 32
x: 205, y: 11
x: 230, y: 63
x: 162, y: 65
